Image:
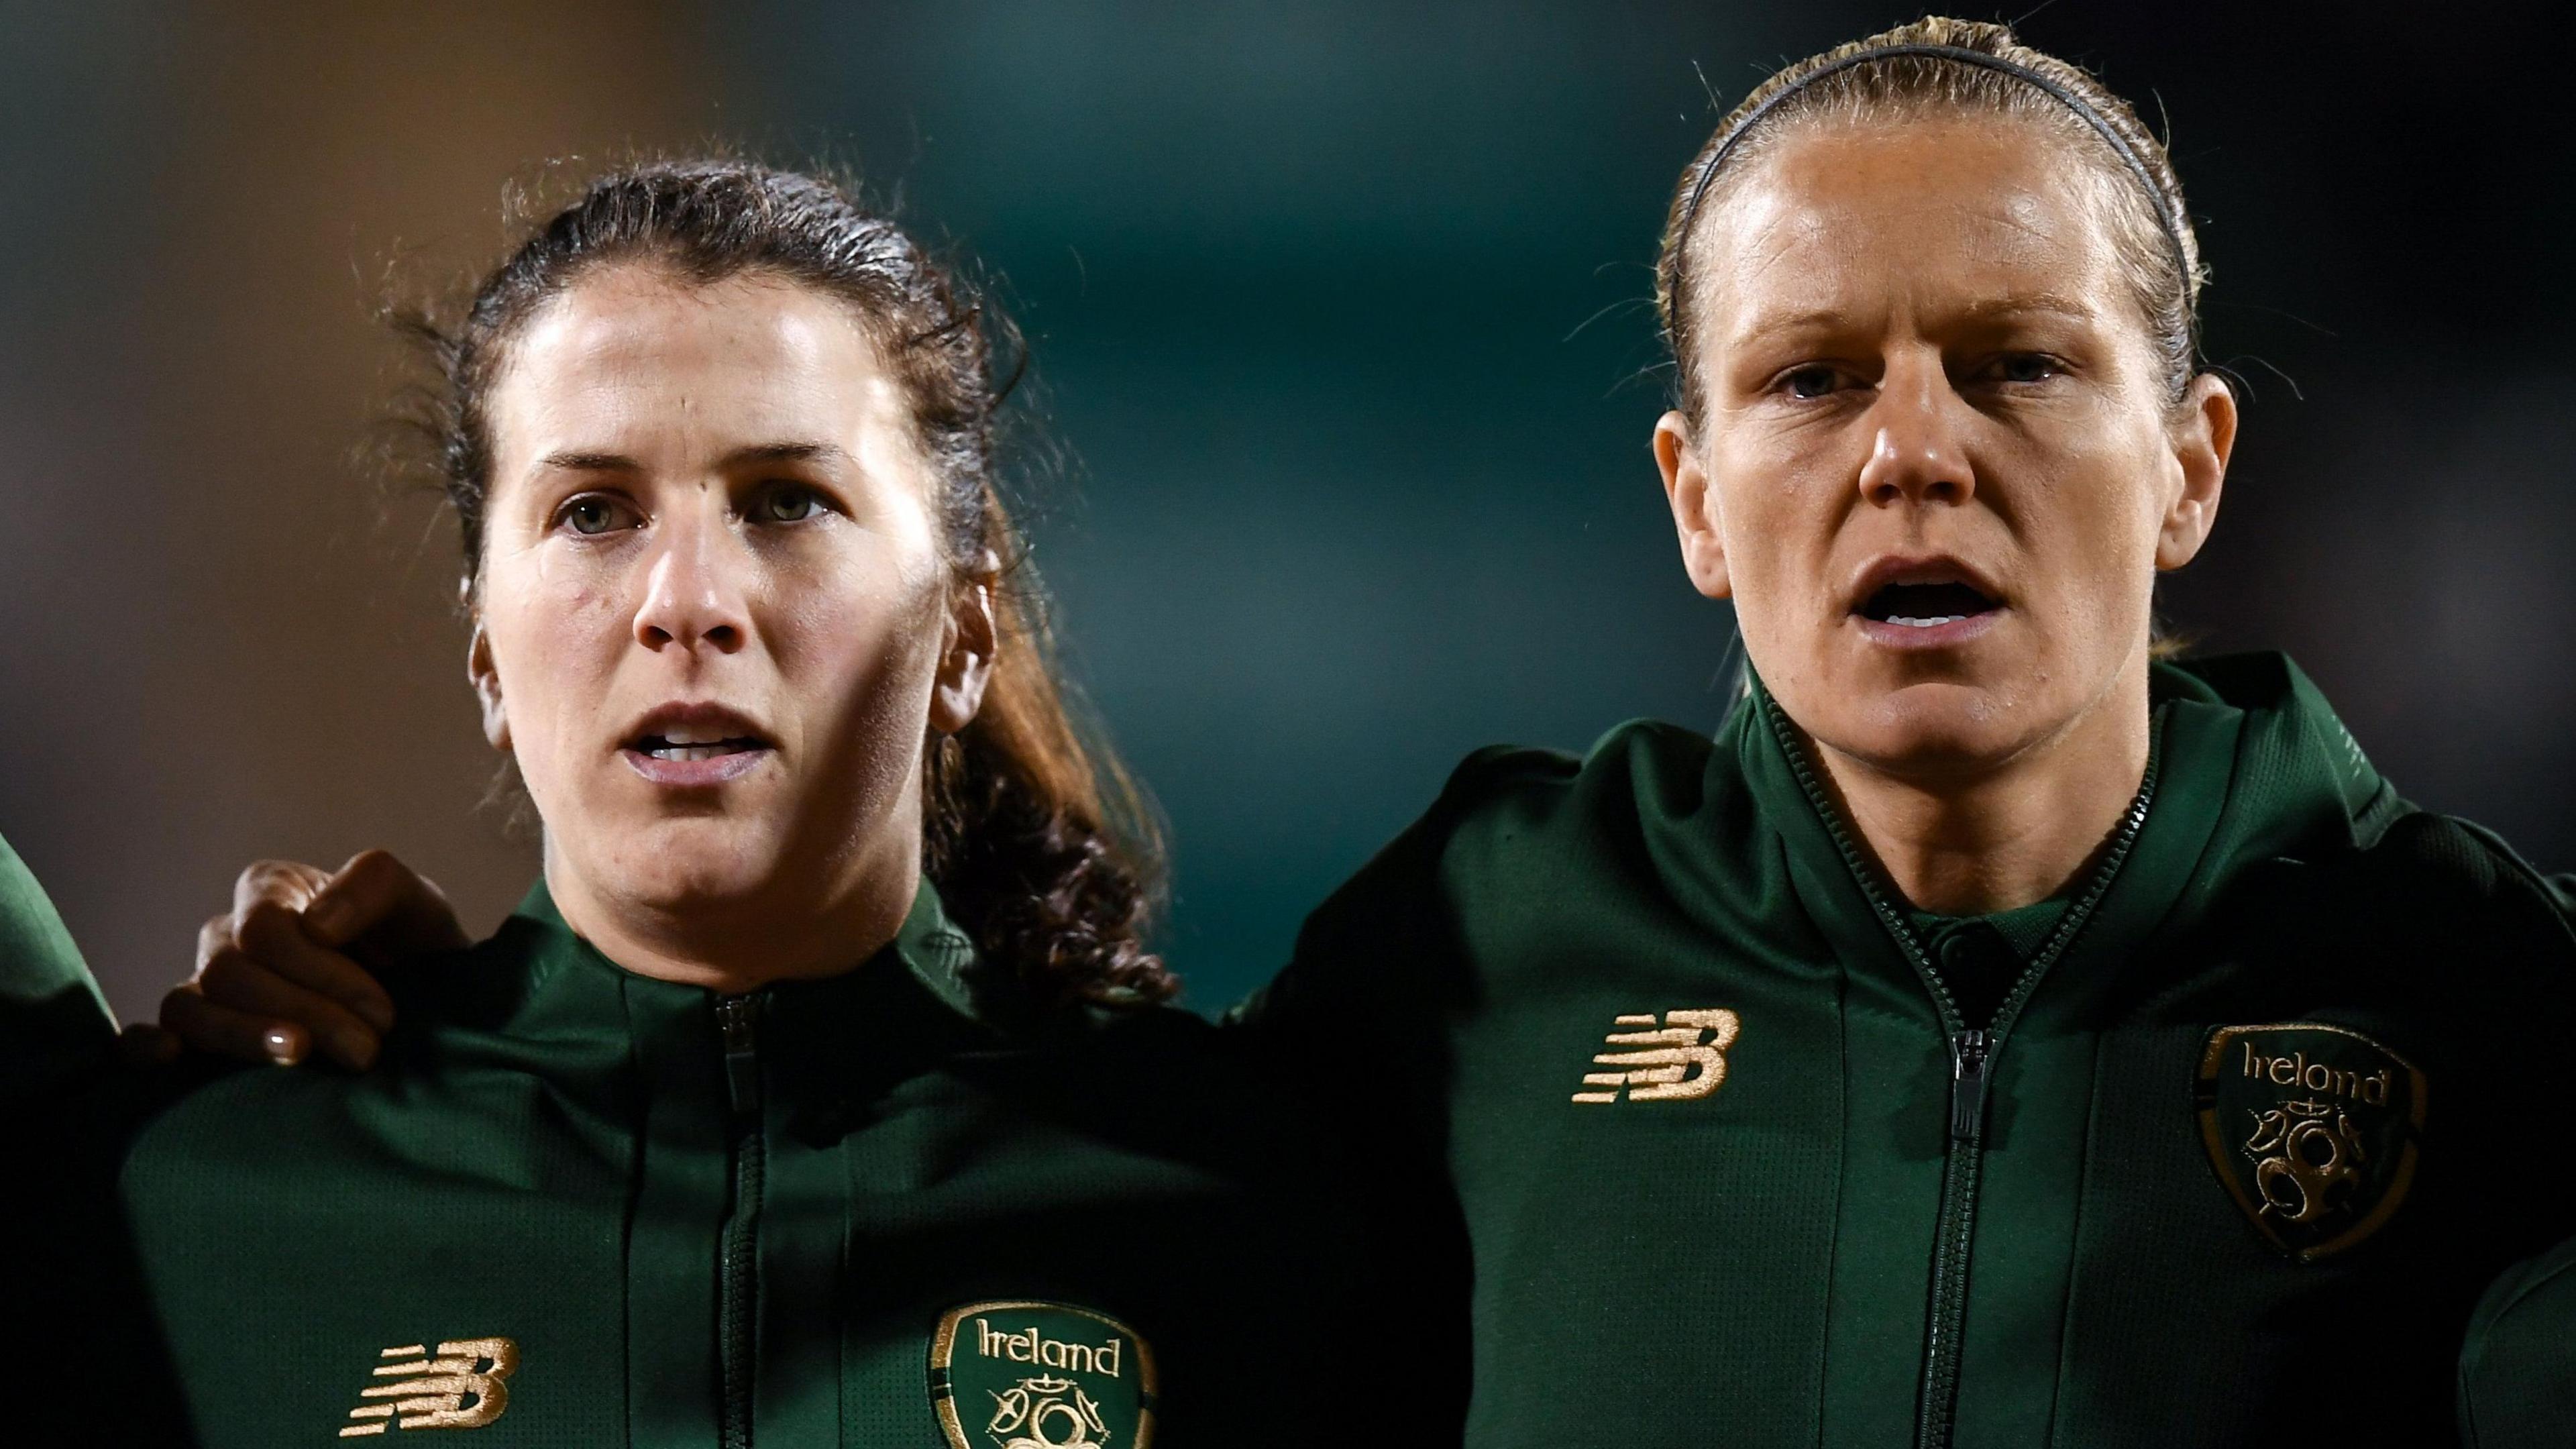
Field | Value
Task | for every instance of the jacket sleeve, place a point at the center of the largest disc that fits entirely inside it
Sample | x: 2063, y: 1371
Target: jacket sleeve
x: 53, y: 1020
x: 78, y: 1323
x: 1357, y: 1026
x: 1359, y: 1018
x: 2517, y: 1376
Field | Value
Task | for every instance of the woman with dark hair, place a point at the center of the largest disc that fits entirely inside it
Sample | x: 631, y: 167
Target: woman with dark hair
x: 819, y: 1093
x: 1999, y: 1033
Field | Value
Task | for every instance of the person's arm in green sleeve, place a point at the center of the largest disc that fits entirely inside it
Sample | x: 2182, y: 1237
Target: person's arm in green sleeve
x: 53, y: 1021
x: 2517, y: 1376
x: 2517, y: 1381
x: 1359, y: 1024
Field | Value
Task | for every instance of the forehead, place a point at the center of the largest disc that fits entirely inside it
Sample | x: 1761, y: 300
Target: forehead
x: 1929, y: 217
x: 634, y: 348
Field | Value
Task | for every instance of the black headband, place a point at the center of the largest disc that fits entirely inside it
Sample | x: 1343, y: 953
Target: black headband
x: 2101, y: 126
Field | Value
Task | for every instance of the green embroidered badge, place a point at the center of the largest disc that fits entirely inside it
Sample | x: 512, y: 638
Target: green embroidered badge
x: 1034, y: 1375
x: 2313, y: 1130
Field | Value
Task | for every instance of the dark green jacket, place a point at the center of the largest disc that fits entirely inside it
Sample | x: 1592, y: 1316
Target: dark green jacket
x: 575, y: 1206
x: 1716, y: 1159
x: 52, y: 1017
x: 2518, y: 1373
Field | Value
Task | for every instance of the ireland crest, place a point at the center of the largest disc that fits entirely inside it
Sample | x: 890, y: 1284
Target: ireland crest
x: 1032, y: 1375
x: 2313, y: 1130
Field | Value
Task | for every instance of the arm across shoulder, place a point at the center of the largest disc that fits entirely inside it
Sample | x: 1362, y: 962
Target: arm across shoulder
x: 53, y: 1020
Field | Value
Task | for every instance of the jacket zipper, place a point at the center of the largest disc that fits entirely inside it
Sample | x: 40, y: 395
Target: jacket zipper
x: 1972, y: 1058
x: 738, y: 1255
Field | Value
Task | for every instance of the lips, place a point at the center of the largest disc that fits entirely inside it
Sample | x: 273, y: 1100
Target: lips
x: 695, y: 745
x: 1923, y: 601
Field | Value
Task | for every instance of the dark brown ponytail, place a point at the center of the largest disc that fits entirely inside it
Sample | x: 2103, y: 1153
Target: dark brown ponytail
x: 1041, y: 846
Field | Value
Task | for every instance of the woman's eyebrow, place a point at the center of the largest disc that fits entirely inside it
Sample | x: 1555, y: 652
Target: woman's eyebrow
x: 786, y: 453
x: 576, y: 461
x: 2027, y: 304
x: 1762, y: 328
x: 1984, y: 309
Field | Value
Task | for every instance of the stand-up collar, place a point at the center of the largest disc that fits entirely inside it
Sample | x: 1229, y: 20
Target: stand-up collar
x: 929, y: 947
x: 541, y: 984
x: 2250, y: 764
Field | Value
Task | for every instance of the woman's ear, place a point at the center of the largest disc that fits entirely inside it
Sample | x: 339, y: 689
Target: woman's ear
x: 487, y: 688
x: 1694, y: 506
x: 2203, y: 435
x: 968, y: 641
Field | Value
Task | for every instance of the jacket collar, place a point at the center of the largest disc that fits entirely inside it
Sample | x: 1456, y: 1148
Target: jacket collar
x: 2251, y: 764
x: 928, y: 949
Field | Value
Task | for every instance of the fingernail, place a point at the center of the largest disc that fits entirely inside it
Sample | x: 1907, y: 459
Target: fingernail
x: 279, y: 1043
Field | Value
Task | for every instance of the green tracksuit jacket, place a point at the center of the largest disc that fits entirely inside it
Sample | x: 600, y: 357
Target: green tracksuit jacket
x: 2518, y: 1373
x: 52, y: 1017
x: 577, y: 1207
x: 1689, y: 1115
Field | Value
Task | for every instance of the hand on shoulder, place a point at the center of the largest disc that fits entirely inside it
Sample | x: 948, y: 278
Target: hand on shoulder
x: 288, y: 968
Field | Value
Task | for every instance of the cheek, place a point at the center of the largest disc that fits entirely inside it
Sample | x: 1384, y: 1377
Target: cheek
x: 557, y: 628
x: 857, y: 631
x: 2098, y: 533
x: 1779, y: 506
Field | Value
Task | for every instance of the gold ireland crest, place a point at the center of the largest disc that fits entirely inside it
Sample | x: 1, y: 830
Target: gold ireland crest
x: 1026, y: 1374
x: 2313, y: 1129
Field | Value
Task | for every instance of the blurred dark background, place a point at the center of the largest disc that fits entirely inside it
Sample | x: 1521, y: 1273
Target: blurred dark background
x: 1341, y: 309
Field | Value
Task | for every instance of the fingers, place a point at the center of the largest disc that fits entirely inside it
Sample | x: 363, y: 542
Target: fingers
x: 270, y: 984
x: 289, y: 883
x: 274, y: 936
x: 269, y: 977
x: 270, y: 949
x: 142, y: 1044
x: 401, y: 913
x: 238, y: 1019
x: 225, y: 1032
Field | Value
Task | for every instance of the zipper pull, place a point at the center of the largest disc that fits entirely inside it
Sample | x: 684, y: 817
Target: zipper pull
x: 737, y: 1019
x: 1968, y: 1085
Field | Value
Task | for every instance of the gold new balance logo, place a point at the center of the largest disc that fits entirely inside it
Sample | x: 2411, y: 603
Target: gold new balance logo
x: 1683, y: 1059
x: 462, y: 1388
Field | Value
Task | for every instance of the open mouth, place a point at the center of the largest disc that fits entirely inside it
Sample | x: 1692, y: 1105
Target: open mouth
x: 695, y: 745
x: 680, y: 746
x: 1925, y: 605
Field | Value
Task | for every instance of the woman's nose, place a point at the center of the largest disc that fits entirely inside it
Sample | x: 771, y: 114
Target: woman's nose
x: 1915, y: 454
x: 691, y: 595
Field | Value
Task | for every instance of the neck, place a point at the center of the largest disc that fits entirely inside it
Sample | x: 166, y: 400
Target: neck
x: 1970, y: 843
x: 734, y: 946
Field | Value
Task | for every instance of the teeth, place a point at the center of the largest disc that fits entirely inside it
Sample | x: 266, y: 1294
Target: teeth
x: 684, y: 737
x: 689, y: 752
x: 1925, y: 623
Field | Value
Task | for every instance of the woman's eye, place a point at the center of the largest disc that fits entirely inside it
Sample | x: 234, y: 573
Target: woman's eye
x: 1809, y: 382
x: 2026, y: 367
x: 787, y: 504
x: 592, y: 515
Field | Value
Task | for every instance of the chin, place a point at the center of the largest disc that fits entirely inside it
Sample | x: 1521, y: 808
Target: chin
x: 680, y: 865
x: 1929, y: 730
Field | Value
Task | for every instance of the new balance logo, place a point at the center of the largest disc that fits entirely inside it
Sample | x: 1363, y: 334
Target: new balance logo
x: 462, y: 1388
x: 1683, y: 1059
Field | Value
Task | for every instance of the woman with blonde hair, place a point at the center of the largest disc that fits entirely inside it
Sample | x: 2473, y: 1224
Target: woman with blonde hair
x: 1999, y: 1033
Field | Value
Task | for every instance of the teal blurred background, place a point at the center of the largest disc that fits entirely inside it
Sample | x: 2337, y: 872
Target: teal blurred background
x: 1341, y: 324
